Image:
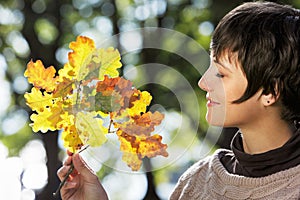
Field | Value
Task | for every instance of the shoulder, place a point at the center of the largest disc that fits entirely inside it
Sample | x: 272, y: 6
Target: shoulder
x: 198, y: 174
x: 209, y: 179
x: 204, y: 165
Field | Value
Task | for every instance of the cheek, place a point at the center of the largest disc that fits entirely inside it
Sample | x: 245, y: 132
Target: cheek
x: 234, y: 91
x: 238, y: 114
x: 218, y: 91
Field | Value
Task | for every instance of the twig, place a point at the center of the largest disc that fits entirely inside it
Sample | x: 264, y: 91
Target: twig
x: 67, y: 175
x: 64, y: 180
x: 109, y: 127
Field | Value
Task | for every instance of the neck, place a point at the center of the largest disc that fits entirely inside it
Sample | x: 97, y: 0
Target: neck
x: 265, y: 135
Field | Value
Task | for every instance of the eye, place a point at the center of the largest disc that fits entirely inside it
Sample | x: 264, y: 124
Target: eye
x: 219, y: 75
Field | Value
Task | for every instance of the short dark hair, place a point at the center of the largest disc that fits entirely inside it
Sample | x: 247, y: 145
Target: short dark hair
x: 265, y: 36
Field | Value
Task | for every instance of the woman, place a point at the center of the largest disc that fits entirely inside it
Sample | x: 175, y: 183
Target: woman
x: 254, y: 80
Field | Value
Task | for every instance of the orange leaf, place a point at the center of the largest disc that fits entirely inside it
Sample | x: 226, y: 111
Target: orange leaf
x: 141, y: 125
x: 152, y: 146
x: 135, y: 148
x: 108, y: 84
x: 149, y: 118
x: 40, y: 77
x: 118, y: 89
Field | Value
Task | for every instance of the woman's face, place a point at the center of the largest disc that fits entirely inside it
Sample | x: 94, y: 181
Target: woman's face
x: 225, y: 82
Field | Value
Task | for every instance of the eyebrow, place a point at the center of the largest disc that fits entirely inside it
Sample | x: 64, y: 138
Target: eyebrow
x: 223, y: 66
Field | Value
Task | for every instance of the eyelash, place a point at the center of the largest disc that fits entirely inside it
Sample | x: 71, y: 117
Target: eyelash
x: 219, y: 75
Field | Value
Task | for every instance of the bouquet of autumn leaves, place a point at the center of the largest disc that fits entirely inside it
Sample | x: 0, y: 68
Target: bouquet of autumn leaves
x: 86, y: 93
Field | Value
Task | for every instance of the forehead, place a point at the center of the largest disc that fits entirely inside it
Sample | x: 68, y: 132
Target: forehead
x: 226, y: 59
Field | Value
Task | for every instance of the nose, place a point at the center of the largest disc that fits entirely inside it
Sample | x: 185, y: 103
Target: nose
x: 202, y: 83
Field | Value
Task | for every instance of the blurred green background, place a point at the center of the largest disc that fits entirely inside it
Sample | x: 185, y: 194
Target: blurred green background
x: 43, y: 29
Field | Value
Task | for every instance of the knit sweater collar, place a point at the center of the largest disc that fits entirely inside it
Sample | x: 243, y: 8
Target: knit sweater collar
x: 233, y: 184
x: 263, y: 164
x: 238, y: 180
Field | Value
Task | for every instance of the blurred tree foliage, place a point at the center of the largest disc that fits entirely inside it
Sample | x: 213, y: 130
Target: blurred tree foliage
x: 42, y: 29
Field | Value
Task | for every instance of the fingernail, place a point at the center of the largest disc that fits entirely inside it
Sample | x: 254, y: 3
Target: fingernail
x: 70, y: 185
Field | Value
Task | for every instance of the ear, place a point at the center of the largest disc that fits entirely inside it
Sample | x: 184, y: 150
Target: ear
x: 268, y: 99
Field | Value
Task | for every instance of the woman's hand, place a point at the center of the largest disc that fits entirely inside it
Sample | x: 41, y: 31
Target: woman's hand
x: 82, y: 184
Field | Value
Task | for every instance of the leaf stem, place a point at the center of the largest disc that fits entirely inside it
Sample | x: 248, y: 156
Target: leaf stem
x: 64, y: 180
x: 109, y: 127
x: 67, y: 175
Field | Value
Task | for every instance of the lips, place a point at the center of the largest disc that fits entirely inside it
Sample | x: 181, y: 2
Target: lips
x: 211, y: 102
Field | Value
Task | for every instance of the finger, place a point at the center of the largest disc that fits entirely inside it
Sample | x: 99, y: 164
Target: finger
x: 74, y: 173
x: 69, y: 153
x: 82, y: 167
x: 68, y: 161
x: 69, y: 185
x: 62, y: 172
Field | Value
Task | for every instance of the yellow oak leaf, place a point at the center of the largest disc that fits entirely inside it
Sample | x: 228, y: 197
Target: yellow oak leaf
x: 37, y: 100
x: 109, y: 61
x: 140, y: 105
x: 81, y: 55
x: 64, y: 88
x: 69, y: 134
x: 56, y: 111
x: 132, y: 160
x: 48, y: 118
x: 67, y: 71
x: 41, y: 77
x: 40, y: 122
x: 71, y: 138
x: 102, y: 114
x: 82, y: 47
x: 90, y: 129
x: 67, y: 120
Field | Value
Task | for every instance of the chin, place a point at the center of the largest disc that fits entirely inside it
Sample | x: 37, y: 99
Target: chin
x: 216, y: 120
x: 216, y: 124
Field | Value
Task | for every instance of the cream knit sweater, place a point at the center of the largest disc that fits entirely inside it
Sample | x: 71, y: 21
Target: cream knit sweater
x: 208, y: 180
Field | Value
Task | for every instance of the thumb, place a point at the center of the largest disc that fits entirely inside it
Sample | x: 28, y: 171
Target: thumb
x: 81, y: 166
